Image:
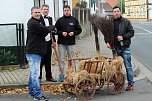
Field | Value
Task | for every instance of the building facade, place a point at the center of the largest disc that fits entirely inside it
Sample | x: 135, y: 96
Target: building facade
x: 138, y: 9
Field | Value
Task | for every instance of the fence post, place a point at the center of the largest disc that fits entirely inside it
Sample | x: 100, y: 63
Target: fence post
x: 23, y: 46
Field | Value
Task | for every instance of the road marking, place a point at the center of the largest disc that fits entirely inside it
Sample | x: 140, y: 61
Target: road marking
x: 143, y: 34
x: 143, y: 29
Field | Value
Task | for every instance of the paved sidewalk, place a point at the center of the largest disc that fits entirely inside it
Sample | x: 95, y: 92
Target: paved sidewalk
x: 85, y: 48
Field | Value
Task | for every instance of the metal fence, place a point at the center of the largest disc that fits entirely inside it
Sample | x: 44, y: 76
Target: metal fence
x: 12, y: 47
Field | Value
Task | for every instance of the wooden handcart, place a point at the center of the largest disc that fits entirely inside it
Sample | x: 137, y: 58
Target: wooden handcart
x: 92, y: 75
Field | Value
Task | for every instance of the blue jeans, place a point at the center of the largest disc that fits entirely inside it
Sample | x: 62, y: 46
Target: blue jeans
x: 34, y: 88
x: 62, y: 49
x: 126, y: 55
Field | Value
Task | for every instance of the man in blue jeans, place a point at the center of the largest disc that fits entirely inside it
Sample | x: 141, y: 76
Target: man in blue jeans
x: 35, y: 49
x: 123, y: 32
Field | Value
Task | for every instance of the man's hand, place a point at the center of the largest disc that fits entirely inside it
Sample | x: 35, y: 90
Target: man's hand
x: 120, y: 38
x: 71, y: 34
x: 108, y: 45
x: 54, y: 31
x: 52, y: 28
x: 64, y: 34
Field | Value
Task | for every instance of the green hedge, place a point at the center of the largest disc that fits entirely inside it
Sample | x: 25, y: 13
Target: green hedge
x: 8, y: 56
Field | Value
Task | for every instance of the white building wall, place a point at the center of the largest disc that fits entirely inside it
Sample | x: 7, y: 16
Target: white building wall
x: 51, y: 5
x: 70, y: 3
x: 19, y: 11
x: 12, y: 11
x: 28, y: 4
x: 61, y: 7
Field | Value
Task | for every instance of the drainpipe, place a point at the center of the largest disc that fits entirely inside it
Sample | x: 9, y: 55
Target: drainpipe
x: 147, y: 10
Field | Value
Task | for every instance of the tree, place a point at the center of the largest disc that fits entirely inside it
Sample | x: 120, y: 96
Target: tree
x: 120, y: 4
x: 83, y: 4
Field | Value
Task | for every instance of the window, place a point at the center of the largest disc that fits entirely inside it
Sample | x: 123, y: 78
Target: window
x: 128, y: 13
x: 65, y: 2
x: 142, y: 10
x: 144, y: 1
x: 134, y: 11
x: 39, y: 3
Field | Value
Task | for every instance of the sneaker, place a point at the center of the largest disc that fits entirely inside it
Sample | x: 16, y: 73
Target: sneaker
x: 41, y: 99
x: 129, y: 87
x: 60, y: 78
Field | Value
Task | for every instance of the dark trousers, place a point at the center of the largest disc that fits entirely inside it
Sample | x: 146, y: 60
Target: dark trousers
x: 46, y: 61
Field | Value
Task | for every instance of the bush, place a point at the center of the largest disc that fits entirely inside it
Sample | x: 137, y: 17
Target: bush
x: 7, y: 58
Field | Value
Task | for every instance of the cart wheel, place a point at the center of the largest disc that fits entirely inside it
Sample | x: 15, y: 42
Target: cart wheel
x: 116, y: 83
x: 85, y: 89
x: 100, y: 84
x: 68, y: 88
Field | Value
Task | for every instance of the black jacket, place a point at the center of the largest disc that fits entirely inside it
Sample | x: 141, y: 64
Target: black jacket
x: 67, y: 24
x: 122, y: 26
x: 35, y: 43
x: 43, y: 22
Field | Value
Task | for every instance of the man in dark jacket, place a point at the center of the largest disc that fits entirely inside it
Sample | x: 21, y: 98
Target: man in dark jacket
x: 123, y: 32
x: 35, y: 49
x: 46, y: 59
x: 67, y: 28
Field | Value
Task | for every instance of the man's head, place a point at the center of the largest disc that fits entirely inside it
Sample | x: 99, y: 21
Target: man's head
x: 45, y: 9
x: 116, y: 12
x: 36, y: 12
x: 66, y: 10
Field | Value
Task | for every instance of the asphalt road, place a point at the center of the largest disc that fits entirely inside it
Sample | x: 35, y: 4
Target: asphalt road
x: 142, y: 92
x: 141, y: 46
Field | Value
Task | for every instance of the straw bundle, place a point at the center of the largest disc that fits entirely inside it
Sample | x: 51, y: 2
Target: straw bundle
x: 70, y: 74
x: 81, y: 75
x: 113, y: 66
x: 74, y: 77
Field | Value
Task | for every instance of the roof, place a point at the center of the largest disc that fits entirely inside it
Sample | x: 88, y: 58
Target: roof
x: 112, y: 3
x: 106, y: 7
